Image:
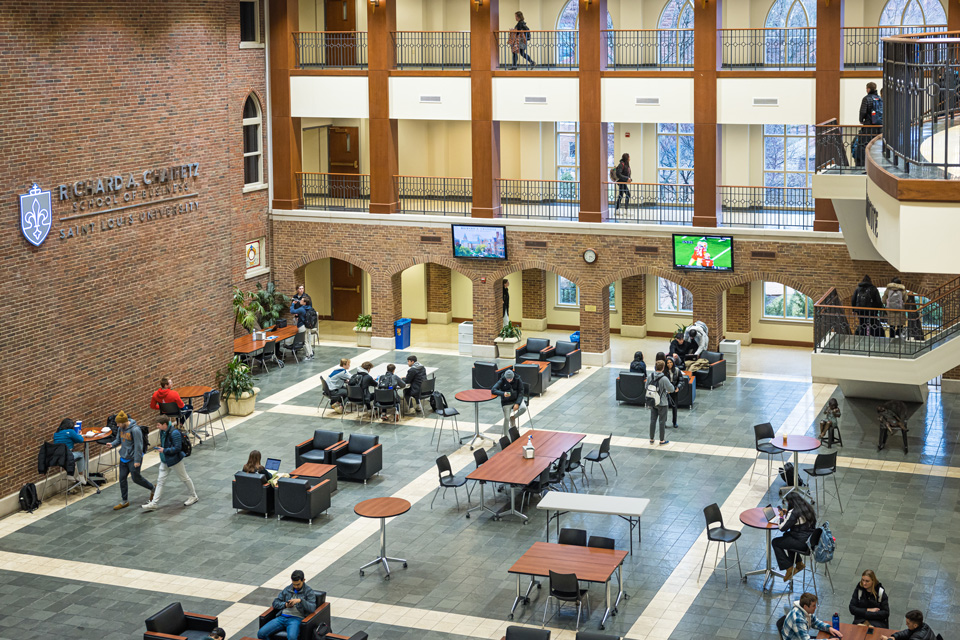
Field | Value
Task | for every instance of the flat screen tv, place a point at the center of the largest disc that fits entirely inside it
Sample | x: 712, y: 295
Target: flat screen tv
x: 482, y: 242
x: 703, y: 253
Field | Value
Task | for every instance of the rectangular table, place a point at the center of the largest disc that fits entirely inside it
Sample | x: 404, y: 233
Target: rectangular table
x: 319, y: 471
x: 588, y: 563
x: 246, y: 345
x: 380, y: 369
x: 858, y: 632
x: 630, y: 509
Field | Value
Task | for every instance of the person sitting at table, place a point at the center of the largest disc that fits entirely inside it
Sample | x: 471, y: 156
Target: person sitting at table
x: 869, y: 602
x: 338, y: 384
x: 416, y: 374
x: 801, y: 619
x: 390, y: 380
x: 638, y: 365
x: 67, y: 434
x: 253, y: 466
x: 679, y: 346
x: 510, y: 389
x: 797, y: 524
x: 166, y: 394
x: 365, y: 381
x: 916, y: 629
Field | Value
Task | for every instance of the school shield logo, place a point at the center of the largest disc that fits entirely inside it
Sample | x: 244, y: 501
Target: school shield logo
x: 35, y: 215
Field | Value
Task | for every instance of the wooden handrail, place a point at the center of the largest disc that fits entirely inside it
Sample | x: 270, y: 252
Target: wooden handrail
x: 918, y: 309
x: 321, y: 173
x: 754, y: 186
x: 433, y: 177
x: 824, y: 296
x: 771, y: 29
x: 908, y: 37
x: 858, y: 126
x: 540, y: 31
x: 902, y: 26
x: 636, y: 30
x: 529, y: 180
x: 395, y: 32
x: 651, y: 184
x: 343, y: 32
x: 826, y: 123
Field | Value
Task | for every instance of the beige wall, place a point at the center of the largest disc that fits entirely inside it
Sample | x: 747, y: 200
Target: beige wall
x: 312, y: 16
x: 433, y: 15
x: 461, y: 296
x: 317, y: 285
x: 435, y: 148
x: 414, y: 282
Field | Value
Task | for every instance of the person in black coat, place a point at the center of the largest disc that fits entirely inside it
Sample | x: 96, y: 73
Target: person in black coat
x: 638, y: 365
x: 869, y: 602
x: 676, y: 378
x: 367, y: 384
x: 797, y: 524
x: 510, y: 389
x: 868, y: 130
x: 416, y: 374
x: 866, y: 299
x: 680, y: 346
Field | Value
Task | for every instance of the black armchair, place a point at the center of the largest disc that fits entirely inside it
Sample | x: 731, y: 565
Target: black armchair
x: 309, y: 625
x: 688, y: 391
x: 593, y: 635
x: 297, y: 498
x: 566, y: 358
x: 173, y: 623
x: 485, y: 374
x: 631, y: 388
x: 321, y: 449
x: 531, y: 375
x: 361, y: 459
x: 534, y: 349
x: 715, y: 374
x: 251, y: 493
x: 526, y: 633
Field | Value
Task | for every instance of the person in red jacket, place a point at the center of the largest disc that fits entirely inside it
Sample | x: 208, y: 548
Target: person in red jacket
x: 165, y: 394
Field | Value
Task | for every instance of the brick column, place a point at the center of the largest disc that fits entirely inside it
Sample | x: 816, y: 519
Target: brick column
x: 284, y: 21
x: 708, y: 307
x: 384, y: 158
x: 534, y: 300
x: 484, y: 21
x: 593, y: 130
x: 633, y: 307
x: 708, y: 18
x: 487, y: 316
x: 739, y: 321
x: 595, y: 325
x: 439, y: 302
x: 386, y: 296
x: 950, y: 382
x: 829, y: 64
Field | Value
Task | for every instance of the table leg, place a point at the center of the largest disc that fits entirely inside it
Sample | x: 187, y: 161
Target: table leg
x: 383, y: 558
x: 768, y: 571
x: 86, y: 468
x: 512, y: 509
x: 482, y: 507
x: 621, y: 594
x: 608, y: 610
x: 476, y: 429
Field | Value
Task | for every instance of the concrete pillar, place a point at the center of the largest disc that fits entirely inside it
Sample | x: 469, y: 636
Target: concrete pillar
x: 534, y: 300
x: 739, y: 320
x: 595, y: 326
x: 439, y: 300
x: 633, y: 303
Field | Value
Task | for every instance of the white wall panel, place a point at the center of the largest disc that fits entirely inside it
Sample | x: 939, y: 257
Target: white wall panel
x: 852, y: 91
x: 562, y: 99
x: 619, y: 96
x: 329, y: 97
x: 796, y: 98
x: 405, y: 94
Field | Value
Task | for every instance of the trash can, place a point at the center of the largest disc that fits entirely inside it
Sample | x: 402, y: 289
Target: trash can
x: 465, y: 338
x: 401, y: 333
x: 575, y: 337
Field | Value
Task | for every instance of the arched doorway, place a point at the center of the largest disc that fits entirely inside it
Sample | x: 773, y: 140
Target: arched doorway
x: 340, y: 289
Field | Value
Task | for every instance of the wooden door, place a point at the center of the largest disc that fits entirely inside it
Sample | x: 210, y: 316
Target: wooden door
x: 340, y: 48
x: 343, y: 154
x: 346, y: 295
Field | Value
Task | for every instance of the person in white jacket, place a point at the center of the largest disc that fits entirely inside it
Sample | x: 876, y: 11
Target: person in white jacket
x: 697, y: 334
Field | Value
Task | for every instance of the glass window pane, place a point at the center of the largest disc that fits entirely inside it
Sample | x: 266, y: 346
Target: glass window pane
x: 666, y: 295
x: 567, y: 126
x: 250, y: 108
x: 613, y: 295
x: 686, y: 128
x: 796, y: 154
x: 773, y: 179
x: 686, y: 152
x: 248, y: 22
x: 666, y: 177
x: 773, y: 299
x: 251, y: 138
x: 795, y: 304
x: 567, y: 149
x: 566, y: 292
x: 667, y: 127
x: 796, y: 180
x: 773, y: 153
x: 610, y: 151
x: 686, y: 299
x: 251, y: 169
x: 567, y: 173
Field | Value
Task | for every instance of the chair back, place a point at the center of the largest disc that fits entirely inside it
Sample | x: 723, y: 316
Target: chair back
x: 712, y: 515
x: 565, y: 347
x: 292, y: 494
x: 169, y: 409
x: 576, y: 537
x: 562, y: 464
x: 504, y: 442
x: 359, y: 443
x: 535, y: 345
x: 269, y: 349
x: 763, y: 432
x: 593, y: 635
x: 299, y: 341
x: 514, y: 434
x: 325, y: 388
x: 826, y: 461
x: 55, y: 454
x: 211, y: 402
x: 170, y: 620
x: 564, y: 584
x: 575, y: 456
x: 427, y: 387
x: 480, y: 456
x: 780, y: 622
x: 526, y: 633
x: 443, y: 466
x: 354, y: 393
x: 600, y: 542
x: 323, y: 438
x: 605, y: 445
x: 385, y: 396
x: 484, y: 374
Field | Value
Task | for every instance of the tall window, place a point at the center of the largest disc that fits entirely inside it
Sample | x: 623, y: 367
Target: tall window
x: 568, y: 150
x: 785, y: 303
x: 789, y: 155
x: 568, y: 295
x: 569, y: 20
x: 252, y: 152
x: 676, y: 48
x: 613, y: 296
x: 796, y: 44
x: 673, y: 298
x: 912, y: 13
x: 249, y: 21
x: 675, y: 162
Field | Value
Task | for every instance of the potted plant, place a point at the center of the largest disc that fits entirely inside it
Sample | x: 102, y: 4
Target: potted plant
x: 364, y: 329
x: 236, y: 388
x: 506, y: 341
x: 267, y: 304
x: 242, y: 315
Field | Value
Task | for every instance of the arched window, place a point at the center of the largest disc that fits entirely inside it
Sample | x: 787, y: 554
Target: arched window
x: 676, y: 48
x: 569, y: 20
x: 910, y: 13
x: 796, y: 45
x: 252, y: 150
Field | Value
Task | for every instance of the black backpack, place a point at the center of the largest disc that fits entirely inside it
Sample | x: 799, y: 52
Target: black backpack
x: 29, y: 500
x: 786, y: 474
x: 310, y: 318
x: 876, y: 113
x: 185, y: 444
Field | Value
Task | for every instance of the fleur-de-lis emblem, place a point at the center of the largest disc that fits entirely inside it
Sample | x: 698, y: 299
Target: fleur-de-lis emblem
x: 35, y: 216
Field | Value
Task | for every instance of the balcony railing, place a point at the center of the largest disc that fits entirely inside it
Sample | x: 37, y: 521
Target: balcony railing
x: 540, y: 199
x: 767, y: 207
x: 435, y: 195
x: 862, y: 48
x: 843, y: 149
x: 331, y: 49
x: 649, y: 49
x: 437, y: 50
x: 650, y: 203
x: 769, y: 48
x: 334, y: 191
x: 542, y: 50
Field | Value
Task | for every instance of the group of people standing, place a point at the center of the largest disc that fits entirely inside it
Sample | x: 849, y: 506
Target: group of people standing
x: 898, y: 305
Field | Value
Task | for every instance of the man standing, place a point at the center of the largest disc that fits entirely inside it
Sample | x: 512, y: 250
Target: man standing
x: 171, y: 456
x: 510, y: 389
x: 302, y: 307
x: 800, y: 619
x: 871, y: 114
x: 130, y: 440
x: 166, y: 394
x: 658, y: 409
x: 623, y: 175
x: 294, y: 603
x: 697, y: 335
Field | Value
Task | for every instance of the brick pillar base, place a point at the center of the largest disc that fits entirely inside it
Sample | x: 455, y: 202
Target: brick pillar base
x: 633, y: 302
x: 439, y: 303
x: 595, y: 326
x: 534, y: 300
x: 708, y: 307
x: 386, y: 298
x: 487, y: 317
x: 739, y: 321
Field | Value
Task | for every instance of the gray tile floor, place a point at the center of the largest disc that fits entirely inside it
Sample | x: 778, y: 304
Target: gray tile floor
x: 901, y: 525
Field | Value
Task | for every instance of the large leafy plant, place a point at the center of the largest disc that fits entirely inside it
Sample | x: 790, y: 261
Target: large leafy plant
x: 235, y: 379
x: 510, y: 330
x: 262, y: 307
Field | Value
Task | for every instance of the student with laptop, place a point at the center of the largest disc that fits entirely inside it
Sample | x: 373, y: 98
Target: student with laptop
x: 253, y: 466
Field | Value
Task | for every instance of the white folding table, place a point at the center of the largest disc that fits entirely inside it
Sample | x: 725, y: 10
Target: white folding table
x: 630, y: 509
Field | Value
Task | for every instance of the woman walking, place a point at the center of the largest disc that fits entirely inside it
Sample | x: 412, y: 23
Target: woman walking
x: 519, y: 38
x: 623, y: 174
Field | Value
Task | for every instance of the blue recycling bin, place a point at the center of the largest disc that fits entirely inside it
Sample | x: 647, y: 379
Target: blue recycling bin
x: 575, y: 337
x: 401, y: 333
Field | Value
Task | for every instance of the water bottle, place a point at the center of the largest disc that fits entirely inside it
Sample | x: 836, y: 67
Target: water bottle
x: 836, y: 621
x: 530, y: 440
x: 78, y: 426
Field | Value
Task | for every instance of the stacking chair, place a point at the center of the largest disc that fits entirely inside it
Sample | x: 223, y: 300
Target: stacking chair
x: 538, y: 487
x: 763, y: 436
x: 812, y: 543
x: 182, y: 416
x: 504, y: 442
x: 558, y: 471
x: 426, y: 390
x: 576, y: 537
x: 354, y: 399
x: 479, y: 458
x: 444, y: 411
x: 824, y: 465
x: 299, y: 343
x: 384, y: 399
x: 526, y: 633
x: 514, y: 434
x: 327, y: 396
x: 448, y: 481
x: 211, y: 406
x: 574, y: 463
x: 58, y: 455
x: 600, y: 542
x: 564, y: 587
x: 269, y: 352
x: 722, y: 536
x: 598, y: 456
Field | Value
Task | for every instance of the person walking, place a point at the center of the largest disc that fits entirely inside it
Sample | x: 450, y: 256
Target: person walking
x: 869, y: 603
x: 895, y: 301
x: 623, y: 175
x: 295, y: 602
x: 866, y: 300
x: 658, y: 409
x: 676, y: 377
x: 130, y: 440
x: 519, y: 39
x: 171, y: 457
x: 510, y: 389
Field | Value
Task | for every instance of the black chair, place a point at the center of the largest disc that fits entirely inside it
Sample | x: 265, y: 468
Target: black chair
x: 812, y: 543
x: 538, y: 487
x: 598, y: 456
x: 780, y: 622
x: 444, y: 411
x: 479, y: 458
x: 526, y: 633
x: 270, y: 352
x: 322, y: 448
x: 763, y: 436
x: 631, y: 388
x: 211, y: 406
x: 297, y: 498
x: 833, y: 434
x: 824, y: 465
x: 171, y: 410
x: 564, y: 587
x: 448, y: 481
x: 576, y: 537
x: 558, y: 471
x: 485, y: 374
x: 51, y: 456
x: 426, y: 390
x: 354, y: 399
x: 309, y: 625
x: 173, y: 623
x: 504, y: 442
x: 593, y: 635
x: 688, y: 392
x: 251, y: 493
x: 386, y: 399
x: 600, y: 542
x: 531, y: 375
x: 722, y: 536
x: 715, y: 374
x: 534, y: 349
x: 299, y: 343
x: 332, y: 396
x: 514, y: 434
x: 574, y: 463
x: 565, y: 360
x: 361, y: 459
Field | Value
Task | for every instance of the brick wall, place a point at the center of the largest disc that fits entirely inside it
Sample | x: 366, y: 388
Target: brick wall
x: 438, y: 288
x: 633, y: 301
x: 738, y: 309
x: 534, y: 294
x: 119, y: 88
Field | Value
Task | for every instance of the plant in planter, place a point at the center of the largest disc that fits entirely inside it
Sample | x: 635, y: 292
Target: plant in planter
x: 364, y: 329
x: 506, y: 341
x: 267, y: 304
x: 236, y: 387
x: 242, y: 315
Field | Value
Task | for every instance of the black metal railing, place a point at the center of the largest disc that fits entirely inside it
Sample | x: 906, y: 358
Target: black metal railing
x: 540, y: 199
x: 649, y: 49
x: 769, y: 48
x: 643, y: 203
x: 334, y: 191
x: 766, y: 207
x: 541, y: 50
x: 435, y: 195
x: 921, y: 78
x: 862, y: 45
x: 331, y: 49
x: 441, y: 50
x: 842, y: 149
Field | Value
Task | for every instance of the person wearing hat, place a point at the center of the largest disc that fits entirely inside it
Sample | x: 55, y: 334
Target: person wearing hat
x: 130, y: 440
x: 217, y: 634
x: 294, y: 603
x: 510, y: 389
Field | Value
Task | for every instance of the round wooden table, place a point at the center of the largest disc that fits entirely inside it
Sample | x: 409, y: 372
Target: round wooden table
x: 189, y: 393
x: 796, y: 444
x: 755, y: 519
x: 476, y: 396
x: 382, y: 508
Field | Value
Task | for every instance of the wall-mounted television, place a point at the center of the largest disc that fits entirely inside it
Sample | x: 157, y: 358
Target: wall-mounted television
x: 703, y: 253
x: 482, y: 242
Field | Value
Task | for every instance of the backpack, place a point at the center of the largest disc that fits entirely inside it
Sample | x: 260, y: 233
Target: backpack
x: 613, y: 175
x: 29, y: 500
x: 823, y: 552
x: 876, y: 113
x: 653, y: 391
x: 310, y: 318
x: 895, y: 299
x: 354, y: 380
x: 185, y: 446
x: 786, y: 474
x: 437, y: 401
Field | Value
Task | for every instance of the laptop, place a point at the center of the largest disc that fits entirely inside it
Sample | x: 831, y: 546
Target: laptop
x: 769, y: 513
x: 272, y: 465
